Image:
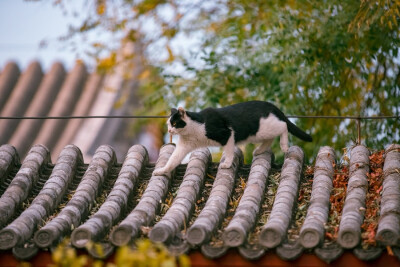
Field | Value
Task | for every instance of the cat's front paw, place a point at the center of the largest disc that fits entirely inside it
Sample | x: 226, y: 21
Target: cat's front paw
x: 225, y: 165
x: 285, y: 149
x: 160, y: 171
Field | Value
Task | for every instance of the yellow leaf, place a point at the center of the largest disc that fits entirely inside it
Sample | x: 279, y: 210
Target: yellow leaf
x: 97, y: 45
x: 99, y: 249
x: 57, y: 255
x: 184, y: 261
x: 170, y: 54
x: 98, y: 263
x: 106, y: 64
x: 168, y: 263
x: 101, y: 7
x: 145, y: 74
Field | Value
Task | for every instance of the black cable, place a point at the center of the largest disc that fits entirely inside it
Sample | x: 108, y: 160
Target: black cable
x: 165, y: 117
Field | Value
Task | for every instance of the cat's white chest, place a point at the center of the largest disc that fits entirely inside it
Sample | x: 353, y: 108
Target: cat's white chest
x: 196, y: 136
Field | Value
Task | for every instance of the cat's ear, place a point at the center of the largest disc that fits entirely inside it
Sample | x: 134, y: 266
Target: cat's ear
x: 173, y: 111
x: 181, y: 112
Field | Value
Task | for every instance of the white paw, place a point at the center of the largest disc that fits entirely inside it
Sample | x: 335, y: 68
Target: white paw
x: 225, y: 165
x: 160, y: 171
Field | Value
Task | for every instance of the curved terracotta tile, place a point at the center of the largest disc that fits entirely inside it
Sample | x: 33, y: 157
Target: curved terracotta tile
x: 78, y: 207
x: 251, y: 252
x: 117, y: 201
x: 349, y: 234
x: 20, y: 99
x: 246, y: 213
x: 179, y: 212
x: 289, y: 251
x: 389, y: 222
x: 22, y: 184
x: 274, y: 232
x: 40, y: 105
x: 8, y: 159
x: 63, y: 106
x: 22, y: 228
x: 145, y: 211
x: 369, y: 254
x: 84, y: 103
x: 8, y: 78
x: 216, y: 205
x: 212, y: 252
x: 329, y: 252
x: 312, y: 231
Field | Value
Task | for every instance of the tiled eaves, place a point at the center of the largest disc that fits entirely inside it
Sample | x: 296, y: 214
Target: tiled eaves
x: 20, y: 230
x: 125, y: 213
x: 145, y: 211
x: 178, y: 214
x: 27, y: 177
x: 78, y: 207
x: 98, y: 225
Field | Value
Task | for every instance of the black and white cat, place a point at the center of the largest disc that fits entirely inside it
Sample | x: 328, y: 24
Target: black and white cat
x: 247, y: 122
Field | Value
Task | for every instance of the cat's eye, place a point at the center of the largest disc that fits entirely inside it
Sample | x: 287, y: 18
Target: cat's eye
x: 174, y: 124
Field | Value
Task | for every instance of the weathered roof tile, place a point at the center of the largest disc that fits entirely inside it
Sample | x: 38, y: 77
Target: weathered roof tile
x: 19, y: 99
x: 312, y: 231
x: 8, y: 78
x: 144, y: 212
x: 111, y: 211
x: 354, y: 205
x: 389, y: 223
x: 20, y: 187
x: 216, y: 205
x: 245, y: 216
x: 39, y: 106
x: 199, y: 205
x: 274, y: 232
x: 178, y: 214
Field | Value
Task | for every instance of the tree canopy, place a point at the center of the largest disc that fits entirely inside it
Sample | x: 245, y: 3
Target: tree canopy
x: 309, y: 57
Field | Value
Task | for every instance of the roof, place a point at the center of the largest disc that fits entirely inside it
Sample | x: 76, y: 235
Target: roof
x: 58, y: 92
x: 324, y: 209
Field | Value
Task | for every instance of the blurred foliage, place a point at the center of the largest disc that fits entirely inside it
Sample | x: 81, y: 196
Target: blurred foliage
x: 149, y: 254
x: 145, y: 253
x: 309, y: 57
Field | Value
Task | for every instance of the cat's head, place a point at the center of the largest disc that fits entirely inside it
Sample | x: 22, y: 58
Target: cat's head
x: 177, y: 121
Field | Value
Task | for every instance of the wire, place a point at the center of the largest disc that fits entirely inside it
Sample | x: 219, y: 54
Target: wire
x: 80, y: 117
x: 344, y: 117
x: 165, y: 117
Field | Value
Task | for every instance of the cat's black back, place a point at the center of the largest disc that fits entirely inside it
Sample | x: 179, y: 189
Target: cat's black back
x: 243, y: 118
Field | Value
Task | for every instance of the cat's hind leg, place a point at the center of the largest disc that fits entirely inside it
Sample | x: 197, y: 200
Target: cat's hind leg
x: 229, y: 150
x: 284, y: 140
x: 263, y: 147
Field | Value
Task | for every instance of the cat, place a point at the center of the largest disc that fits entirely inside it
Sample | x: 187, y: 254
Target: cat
x: 247, y: 122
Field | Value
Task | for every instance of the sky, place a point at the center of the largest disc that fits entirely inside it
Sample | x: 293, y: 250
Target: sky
x: 24, y: 24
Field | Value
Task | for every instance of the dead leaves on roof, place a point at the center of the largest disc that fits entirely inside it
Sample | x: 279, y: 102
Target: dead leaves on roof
x: 338, y: 195
x: 373, y: 199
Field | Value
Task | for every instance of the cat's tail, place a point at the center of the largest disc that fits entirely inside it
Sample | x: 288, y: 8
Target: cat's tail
x: 296, y: 131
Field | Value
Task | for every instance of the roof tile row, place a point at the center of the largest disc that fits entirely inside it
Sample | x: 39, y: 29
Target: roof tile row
x: 197, y: 206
